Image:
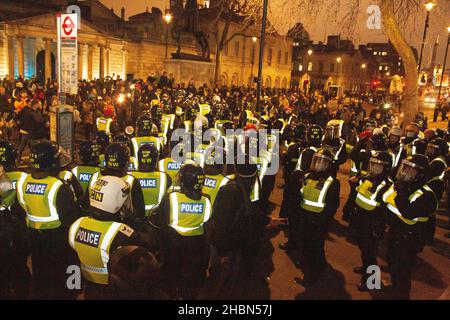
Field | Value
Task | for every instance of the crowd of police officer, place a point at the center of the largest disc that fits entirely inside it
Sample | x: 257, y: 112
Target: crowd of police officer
x: 142, y: 223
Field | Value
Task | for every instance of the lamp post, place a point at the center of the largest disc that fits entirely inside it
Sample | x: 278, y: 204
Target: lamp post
x: 363, y: 67
x: 443, y: 67
x: 167, y: 19
x: 310, y: 52
x: 261, y: 55
x: 254, y: 39
x: 429, y: 6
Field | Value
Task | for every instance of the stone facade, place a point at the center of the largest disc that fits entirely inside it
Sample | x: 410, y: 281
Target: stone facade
x: 28, y: 48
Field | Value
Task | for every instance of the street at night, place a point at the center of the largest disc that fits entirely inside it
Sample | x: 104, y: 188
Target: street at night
x: 200, y: 152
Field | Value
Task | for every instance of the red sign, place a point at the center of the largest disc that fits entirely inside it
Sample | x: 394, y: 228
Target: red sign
x: 68, y: 26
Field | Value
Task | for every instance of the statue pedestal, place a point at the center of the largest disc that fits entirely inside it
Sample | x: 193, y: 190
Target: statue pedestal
x: 198, y: 72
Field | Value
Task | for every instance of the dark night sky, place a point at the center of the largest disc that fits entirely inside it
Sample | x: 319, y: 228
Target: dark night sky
x: 318, y: 29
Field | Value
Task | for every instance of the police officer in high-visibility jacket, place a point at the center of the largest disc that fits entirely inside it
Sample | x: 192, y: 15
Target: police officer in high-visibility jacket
x: 368, y: 217
x: 154, y: 183
x: 125, y: 140
x: 144, y: 129
x: 14, y: 273
x: 334, y: 143
x: 436, y: 151
x: 410, y: 202
x: 406, y: 148
x: 360, y: 156
x: 170, y: 164
x: 311, y: 216
x: 97, y: 236
x: 103, y: 140
x: 48, y: 208
x: 182, y: 219
x: 106, y: 122
x: 89, y: 157
x: 314, y: 137
x: 117, y: 159
x: 215, y: 175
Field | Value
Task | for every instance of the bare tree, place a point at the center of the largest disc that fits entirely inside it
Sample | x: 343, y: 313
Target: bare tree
x: 394, y: 14
x: 243, y: 13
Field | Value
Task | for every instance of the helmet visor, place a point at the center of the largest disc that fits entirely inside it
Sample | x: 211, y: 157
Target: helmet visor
x: 394, y: 138
x: 432, y: 150
x: 408, y: 172
x: 376, y: 167
x: 320, y: 163
x: 332, y: 132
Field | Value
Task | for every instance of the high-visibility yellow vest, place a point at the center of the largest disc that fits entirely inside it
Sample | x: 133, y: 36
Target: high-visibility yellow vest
x: 92, y: 240
x: 84, y: 175
x: 219, y: 125
x: 38, y: 198
x: 313, y: 199
x: 188, y: 216
x: 104, y: 124
x: 442, y: 175
x: 212, y: 185
x: 389, y: 198
x: 171, y: 167
x: 154, y: 187
x: 9, y: 198
x: 366, y: 199
x: 138, y: 142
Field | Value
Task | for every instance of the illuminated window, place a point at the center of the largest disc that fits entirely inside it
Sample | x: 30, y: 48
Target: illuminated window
x: 375, y: 53
x: 386, y: 68
x: 380, y: 68
x: 310, y: 66
x: 300, y: 67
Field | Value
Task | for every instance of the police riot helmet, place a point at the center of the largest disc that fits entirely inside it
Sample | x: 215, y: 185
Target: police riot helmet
x: 44, y: 156
x: 117, y: 156
x: 89, y: 153
x: 379, y: 163
x: 334, y: 128
x: 108, y: 195
x: 321, y: 161
x: 215, y: 159
x: 395, y: 134
x: 8, y: 154
x: 157, y: 112
x: 300, y: 132
x: 123, y: 139
x: 378, y: 142
x: 103, y: 139
x: 440, y: 133
x: 191, y: 178
x: 147, y: 158
x: 144, y: 125
x: 314, y: 135
x: 436, y: 148
x: 413, y: 169
x: 412, y: 130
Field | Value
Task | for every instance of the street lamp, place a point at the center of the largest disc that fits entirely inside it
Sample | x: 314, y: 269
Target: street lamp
x: 310, y: 52
x: 167, y: 19
x: 338, y: 60
x: 429, y: 6
x: 443, y: 67
x: 254, y: 39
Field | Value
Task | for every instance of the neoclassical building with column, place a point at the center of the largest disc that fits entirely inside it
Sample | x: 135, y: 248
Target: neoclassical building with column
x: 28, y: 47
